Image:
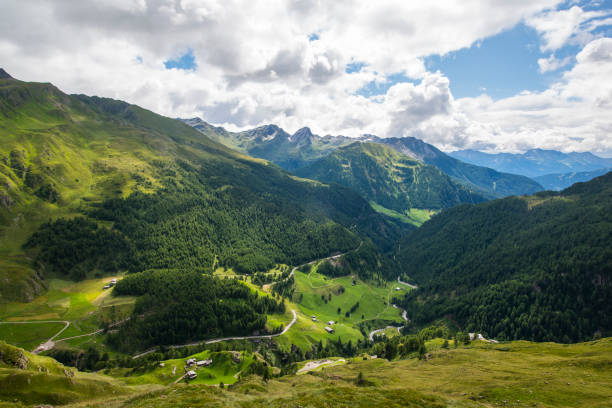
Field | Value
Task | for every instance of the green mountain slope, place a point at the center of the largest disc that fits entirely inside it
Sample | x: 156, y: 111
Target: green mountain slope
x: 164, y: 194
x: 490, y: 182
x: 32, y: 379
x: 536, y: 267
x: 302, y: 148
x: 389, y: 179
x: 272, y: 143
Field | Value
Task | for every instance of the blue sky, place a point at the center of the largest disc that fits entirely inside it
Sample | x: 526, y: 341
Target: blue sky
x: 500, y: 66
x: 185, y: 62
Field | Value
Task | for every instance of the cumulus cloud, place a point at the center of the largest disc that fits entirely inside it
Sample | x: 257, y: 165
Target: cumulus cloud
x: 558, y: 27
x: 258, y: 63
x: 552, y: 63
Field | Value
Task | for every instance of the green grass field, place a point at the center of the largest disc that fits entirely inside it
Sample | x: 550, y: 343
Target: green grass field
x: 517, y: 374
x: 414, y: 216
x: 28, y: 336
x: 84, y: 304
x: 322, y: 296
x: 226, y: 367
x: 313, y: 292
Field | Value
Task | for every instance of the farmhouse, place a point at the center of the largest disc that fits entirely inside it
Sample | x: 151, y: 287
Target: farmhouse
x: 330, y: 322
x: 191, y: 374
x: 204, y: 363
x: 329, y: 329
x: 190, y: 362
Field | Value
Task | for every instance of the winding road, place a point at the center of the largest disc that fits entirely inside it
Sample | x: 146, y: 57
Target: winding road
x: 406, y: 283
x: 266, y: 336
x: 404, y: 314
x: 49, y: 344
x: 211, y: 341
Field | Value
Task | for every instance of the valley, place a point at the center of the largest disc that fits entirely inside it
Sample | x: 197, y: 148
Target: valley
x: 341, y: 272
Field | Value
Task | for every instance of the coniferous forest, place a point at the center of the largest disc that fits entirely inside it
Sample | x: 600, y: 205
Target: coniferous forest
x: 535, y: 268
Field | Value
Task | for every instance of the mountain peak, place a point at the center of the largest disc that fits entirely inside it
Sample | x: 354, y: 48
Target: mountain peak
x: 4, y: 74
x: 304, y: 134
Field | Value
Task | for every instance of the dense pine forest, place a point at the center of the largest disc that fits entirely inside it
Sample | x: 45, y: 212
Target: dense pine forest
x: 176, y: 306
x: 536, y: 267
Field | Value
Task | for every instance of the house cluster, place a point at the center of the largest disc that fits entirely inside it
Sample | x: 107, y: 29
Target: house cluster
x: 191, y: 374
x: 110, y: 284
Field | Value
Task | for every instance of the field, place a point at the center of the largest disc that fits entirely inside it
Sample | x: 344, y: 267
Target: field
x: 414, y: 216
x: 84, y: 304
x: 517, y: 374
x: 226, y: 367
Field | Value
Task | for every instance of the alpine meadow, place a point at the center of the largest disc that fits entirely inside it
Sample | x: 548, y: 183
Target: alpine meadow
x: 305, y: 204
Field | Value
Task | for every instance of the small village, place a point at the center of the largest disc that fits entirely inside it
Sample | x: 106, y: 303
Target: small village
x: 192, y: 364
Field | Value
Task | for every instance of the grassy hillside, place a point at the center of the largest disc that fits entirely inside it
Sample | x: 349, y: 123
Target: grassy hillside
x: 30, y: 379
x: 519, y: 374
x: 486, y: 180
x: 390, y: 179
x: 158, y: 190
x: 535, y: 267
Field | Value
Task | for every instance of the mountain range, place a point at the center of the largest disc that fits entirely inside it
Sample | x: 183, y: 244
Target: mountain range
x: 535, y: 162
x: 563, y: 180
x: 294, y: 151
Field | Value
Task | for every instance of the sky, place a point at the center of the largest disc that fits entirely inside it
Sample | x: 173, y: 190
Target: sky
x: 490, y: 75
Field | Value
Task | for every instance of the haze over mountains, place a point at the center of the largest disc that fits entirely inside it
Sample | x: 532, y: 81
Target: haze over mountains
x: 535, y: 162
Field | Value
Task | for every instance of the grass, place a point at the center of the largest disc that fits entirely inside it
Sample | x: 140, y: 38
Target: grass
x: 373, y: 305
x: 414, y: 216
x: 85, y: 304
x: 42, y: 380
x: 374, y: 301
x: 28, y: 336
x: 517, y: 374
x: 226, y: 367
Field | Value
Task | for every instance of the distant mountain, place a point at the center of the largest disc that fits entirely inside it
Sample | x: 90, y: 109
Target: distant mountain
x: 535, y: 267
x: 492, y: 183
x: 560, y: 181
x: 535, y: 162
x: 4, y: 74
x: 303, y: 147
x: 390, y: 179
x: 274, y: 144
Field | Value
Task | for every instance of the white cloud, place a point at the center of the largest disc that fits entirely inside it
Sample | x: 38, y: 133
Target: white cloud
x: 256, y: 64
x: 558, y: 27
x: 552, y: 63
